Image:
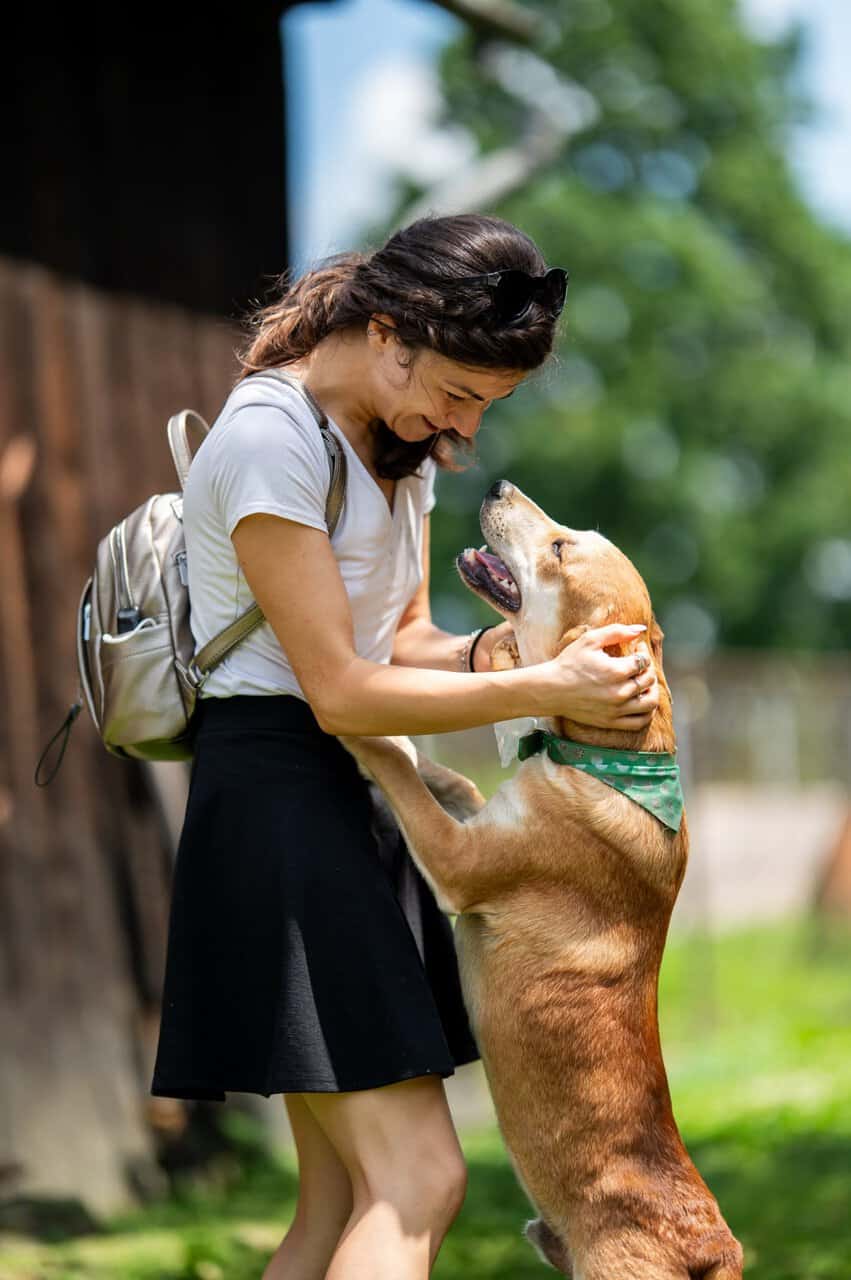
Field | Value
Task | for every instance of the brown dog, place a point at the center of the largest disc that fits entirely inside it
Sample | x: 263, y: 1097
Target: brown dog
x: 564, y: 889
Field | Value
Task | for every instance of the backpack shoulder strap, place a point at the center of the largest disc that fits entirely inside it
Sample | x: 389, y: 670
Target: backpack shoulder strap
x: 336, y: 457
x: 216, y: 649
x: 178, y: 443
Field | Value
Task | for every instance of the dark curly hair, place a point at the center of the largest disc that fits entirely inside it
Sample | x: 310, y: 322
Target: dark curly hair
x: 411, y: 278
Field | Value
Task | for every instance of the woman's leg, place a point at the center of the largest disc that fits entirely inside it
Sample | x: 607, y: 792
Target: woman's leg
x: 324, y: 1202
x: 407, y: 1172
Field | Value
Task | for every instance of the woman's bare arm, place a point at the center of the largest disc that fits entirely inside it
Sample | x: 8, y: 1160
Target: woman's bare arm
x: 418, y: 642
x: 294, y: 577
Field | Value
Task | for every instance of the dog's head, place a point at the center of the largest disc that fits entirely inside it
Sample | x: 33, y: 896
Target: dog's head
x: 553, y: 583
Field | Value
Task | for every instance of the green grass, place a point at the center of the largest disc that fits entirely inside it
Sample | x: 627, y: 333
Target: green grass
x: 756, y: 1030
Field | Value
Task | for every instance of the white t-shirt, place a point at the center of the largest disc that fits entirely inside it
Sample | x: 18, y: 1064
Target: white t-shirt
x: 264, y: 452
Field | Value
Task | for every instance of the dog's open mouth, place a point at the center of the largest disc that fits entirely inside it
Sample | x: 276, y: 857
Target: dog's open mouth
x: 486, y: 572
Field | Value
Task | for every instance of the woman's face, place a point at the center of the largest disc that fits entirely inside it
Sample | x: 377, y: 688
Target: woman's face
x: 436, y: 394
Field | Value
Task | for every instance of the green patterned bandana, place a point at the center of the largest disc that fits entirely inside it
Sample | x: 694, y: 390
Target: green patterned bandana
x: 650, y: 778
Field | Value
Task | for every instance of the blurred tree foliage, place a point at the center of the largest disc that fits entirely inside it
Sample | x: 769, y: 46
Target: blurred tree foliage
x: 698, y: 410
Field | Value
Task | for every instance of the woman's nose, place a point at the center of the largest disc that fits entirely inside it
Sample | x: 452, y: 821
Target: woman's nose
x: 465, y: 422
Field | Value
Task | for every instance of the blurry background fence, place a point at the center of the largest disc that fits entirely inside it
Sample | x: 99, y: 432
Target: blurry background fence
x: 764, y: 741
x: 746, y: 717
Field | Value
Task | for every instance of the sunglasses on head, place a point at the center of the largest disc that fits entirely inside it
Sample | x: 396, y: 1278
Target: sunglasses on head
x: 515, y: 290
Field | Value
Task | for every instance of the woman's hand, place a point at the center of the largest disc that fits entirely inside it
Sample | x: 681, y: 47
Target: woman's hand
x: 590, y: 686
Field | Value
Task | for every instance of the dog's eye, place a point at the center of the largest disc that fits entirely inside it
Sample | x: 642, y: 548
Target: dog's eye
x: 557, y: 546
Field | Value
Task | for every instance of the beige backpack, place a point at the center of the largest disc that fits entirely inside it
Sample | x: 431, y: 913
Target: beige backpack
x: 138, y: 669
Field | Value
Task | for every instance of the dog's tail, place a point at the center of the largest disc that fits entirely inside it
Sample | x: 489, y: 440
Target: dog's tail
x: 548, y: 1246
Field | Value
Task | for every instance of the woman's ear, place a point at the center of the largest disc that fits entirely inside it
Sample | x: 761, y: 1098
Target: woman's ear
x: 381, y: 327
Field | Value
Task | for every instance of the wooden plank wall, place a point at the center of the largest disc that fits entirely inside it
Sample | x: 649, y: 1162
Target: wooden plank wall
x: 87, y: 383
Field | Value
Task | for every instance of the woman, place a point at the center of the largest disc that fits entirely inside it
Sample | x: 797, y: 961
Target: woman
x: 306, y: 955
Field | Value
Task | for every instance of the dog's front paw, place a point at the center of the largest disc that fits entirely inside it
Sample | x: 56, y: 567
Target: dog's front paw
x: 370, y: 751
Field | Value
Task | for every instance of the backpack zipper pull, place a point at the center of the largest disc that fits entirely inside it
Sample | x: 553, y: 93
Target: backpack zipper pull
x: 65, y: 728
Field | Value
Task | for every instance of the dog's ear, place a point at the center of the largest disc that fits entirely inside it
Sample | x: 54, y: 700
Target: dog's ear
x: 656, y: 637
x: 505, y: 654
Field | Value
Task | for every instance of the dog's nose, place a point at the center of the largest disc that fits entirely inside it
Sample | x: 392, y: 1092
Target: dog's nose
x: 500, y: 489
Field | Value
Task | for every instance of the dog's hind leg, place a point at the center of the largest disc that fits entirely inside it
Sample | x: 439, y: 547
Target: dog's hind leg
x: 548, y: 1245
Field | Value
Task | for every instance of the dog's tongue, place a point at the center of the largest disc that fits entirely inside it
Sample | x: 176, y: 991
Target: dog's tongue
x: 492, y: 562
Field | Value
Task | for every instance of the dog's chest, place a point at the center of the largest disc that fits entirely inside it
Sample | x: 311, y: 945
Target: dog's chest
x: 589, y: 834
x: 470, y: 931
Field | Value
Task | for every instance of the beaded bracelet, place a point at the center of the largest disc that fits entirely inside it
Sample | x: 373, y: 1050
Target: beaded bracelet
x: 463, y: 657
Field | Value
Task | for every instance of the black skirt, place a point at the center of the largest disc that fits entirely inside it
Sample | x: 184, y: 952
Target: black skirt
x: 306, y: 953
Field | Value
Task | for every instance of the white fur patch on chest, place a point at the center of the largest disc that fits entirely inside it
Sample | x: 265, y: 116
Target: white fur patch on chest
x: 507, y: 809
